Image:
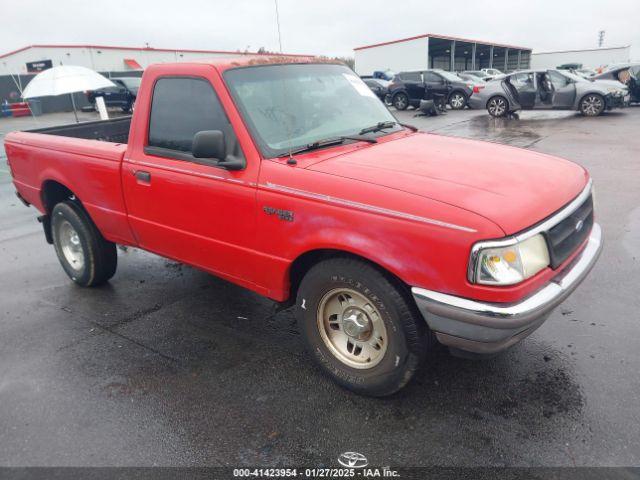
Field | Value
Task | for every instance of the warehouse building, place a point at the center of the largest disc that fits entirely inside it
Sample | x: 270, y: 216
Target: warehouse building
x: 437, y: 51
x: 589, y: 58
x: 17, y: 68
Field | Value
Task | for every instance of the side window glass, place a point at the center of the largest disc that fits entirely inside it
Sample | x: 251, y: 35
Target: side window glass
x: 432, y: 77
x: 557, y: 79
x: 180, y: 108
x: 521, y: 80
x: 411, y: 77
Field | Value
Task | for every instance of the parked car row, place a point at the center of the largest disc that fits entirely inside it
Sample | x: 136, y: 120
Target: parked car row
x: 503, y: 94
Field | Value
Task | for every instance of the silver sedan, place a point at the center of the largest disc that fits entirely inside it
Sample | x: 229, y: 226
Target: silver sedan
x: 548, y: 90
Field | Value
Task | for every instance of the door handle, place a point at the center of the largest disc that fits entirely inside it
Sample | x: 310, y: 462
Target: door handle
x: 143, y: 176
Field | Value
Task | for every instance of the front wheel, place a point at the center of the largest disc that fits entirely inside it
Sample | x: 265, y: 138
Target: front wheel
x: 400, y: 101
x: 592, y: 105
x: 457, y: 101
x: 360, y: 326
x: 86, y: 257
x: 497, y: 106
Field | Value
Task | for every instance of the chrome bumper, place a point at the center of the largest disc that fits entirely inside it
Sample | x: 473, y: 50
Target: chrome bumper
x: 490, y: 327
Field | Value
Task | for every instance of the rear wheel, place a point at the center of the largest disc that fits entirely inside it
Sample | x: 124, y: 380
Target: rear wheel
x: 400, y: 101
x: 497, y: 106
x: 86, y: 257
x: 360, y: 326
x: 458, y: 100
x: 592, y: 105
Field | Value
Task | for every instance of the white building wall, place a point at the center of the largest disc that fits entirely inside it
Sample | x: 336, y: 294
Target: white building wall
x: 99, y: 59
x: 402, y: 56
x: 588, y: 58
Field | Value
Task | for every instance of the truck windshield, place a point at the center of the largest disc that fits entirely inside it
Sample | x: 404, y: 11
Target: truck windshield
x: 289, y: 106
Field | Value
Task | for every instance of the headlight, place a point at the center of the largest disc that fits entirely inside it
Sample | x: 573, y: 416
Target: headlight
x: 509, y: 264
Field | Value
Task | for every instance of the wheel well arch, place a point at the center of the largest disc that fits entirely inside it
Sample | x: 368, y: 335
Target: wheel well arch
x: 53, y: 192
x: 305, y: 261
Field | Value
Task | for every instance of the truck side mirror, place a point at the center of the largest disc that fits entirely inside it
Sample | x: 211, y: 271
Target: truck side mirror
x: 209, y: 144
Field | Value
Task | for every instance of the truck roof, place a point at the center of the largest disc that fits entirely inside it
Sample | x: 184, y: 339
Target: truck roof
x: 225, y: 63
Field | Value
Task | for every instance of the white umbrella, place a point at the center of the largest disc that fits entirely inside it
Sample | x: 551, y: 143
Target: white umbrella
x: 65, y: 79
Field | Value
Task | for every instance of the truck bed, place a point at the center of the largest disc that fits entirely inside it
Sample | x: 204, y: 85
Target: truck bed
x: 84, y: 157
x: 115, y: 130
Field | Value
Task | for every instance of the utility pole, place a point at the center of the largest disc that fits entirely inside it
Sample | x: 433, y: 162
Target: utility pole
x: 600, y: 38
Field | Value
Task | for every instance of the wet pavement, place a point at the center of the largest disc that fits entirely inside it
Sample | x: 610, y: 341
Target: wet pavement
x: 166, y: 365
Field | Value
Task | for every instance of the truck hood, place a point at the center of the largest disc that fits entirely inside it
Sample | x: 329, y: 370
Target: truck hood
x: 512, y: 187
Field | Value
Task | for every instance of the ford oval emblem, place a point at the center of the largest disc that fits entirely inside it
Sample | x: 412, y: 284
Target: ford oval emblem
x: 579, y: 225
x: 352, y: 460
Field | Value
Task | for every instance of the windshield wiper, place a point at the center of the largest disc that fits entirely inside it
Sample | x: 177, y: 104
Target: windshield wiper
x: 331, y: 141
x: 378, y: 126
x: 384, y: 125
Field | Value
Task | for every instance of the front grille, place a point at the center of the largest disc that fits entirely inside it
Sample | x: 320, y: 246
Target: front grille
x: 567, y: 235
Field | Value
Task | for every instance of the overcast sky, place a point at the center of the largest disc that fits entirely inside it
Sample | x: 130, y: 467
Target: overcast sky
x: 327, y: 27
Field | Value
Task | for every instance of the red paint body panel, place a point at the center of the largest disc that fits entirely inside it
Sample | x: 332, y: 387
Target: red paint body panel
x: 412, y: 203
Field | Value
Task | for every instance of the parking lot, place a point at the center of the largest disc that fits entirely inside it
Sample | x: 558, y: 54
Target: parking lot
x: 166, y: 365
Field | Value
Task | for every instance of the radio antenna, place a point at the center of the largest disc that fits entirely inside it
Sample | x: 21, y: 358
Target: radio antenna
x: 291, y: 160
x: 278, y: 23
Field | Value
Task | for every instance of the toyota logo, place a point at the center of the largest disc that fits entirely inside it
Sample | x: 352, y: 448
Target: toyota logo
x: 579, y: 225
x: 352, y: 460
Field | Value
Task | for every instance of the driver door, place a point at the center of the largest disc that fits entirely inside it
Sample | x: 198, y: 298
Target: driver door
x: 184, y: 207
x: 564, y: 90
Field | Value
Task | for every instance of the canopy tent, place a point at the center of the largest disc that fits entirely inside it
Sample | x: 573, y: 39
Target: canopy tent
x: 65, y: 79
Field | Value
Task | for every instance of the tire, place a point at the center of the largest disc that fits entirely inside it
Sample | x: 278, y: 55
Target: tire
x: 344, y: 301
x: 457, y: 101
x: 86, y: 257
x: 592, y: 105
x: 498, y: 106
x: 400, y: 101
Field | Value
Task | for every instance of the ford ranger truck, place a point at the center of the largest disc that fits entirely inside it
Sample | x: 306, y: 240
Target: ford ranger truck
x: 287, y: 176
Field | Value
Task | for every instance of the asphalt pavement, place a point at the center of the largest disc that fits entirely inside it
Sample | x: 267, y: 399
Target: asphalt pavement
x: 166, y: 365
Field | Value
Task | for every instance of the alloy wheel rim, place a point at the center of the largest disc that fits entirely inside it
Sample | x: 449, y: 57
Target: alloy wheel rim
x: 352, y: 328
x: 456, y: 101
x: 496, y: 107
x: 592, y: 105
x: 71, y: 246
x: 400, y: 102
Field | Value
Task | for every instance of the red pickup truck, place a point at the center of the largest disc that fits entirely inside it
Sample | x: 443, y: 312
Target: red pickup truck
x: 292, y: 179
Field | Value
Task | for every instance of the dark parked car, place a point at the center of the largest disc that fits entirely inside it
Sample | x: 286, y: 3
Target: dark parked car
x: 408, y: 88
x: 628, y: 74
x: 123, y: 95
x: 377, y: 86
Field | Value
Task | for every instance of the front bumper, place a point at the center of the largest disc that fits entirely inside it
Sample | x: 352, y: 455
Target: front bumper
x: 486, y: 328
x: 617, y: 101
